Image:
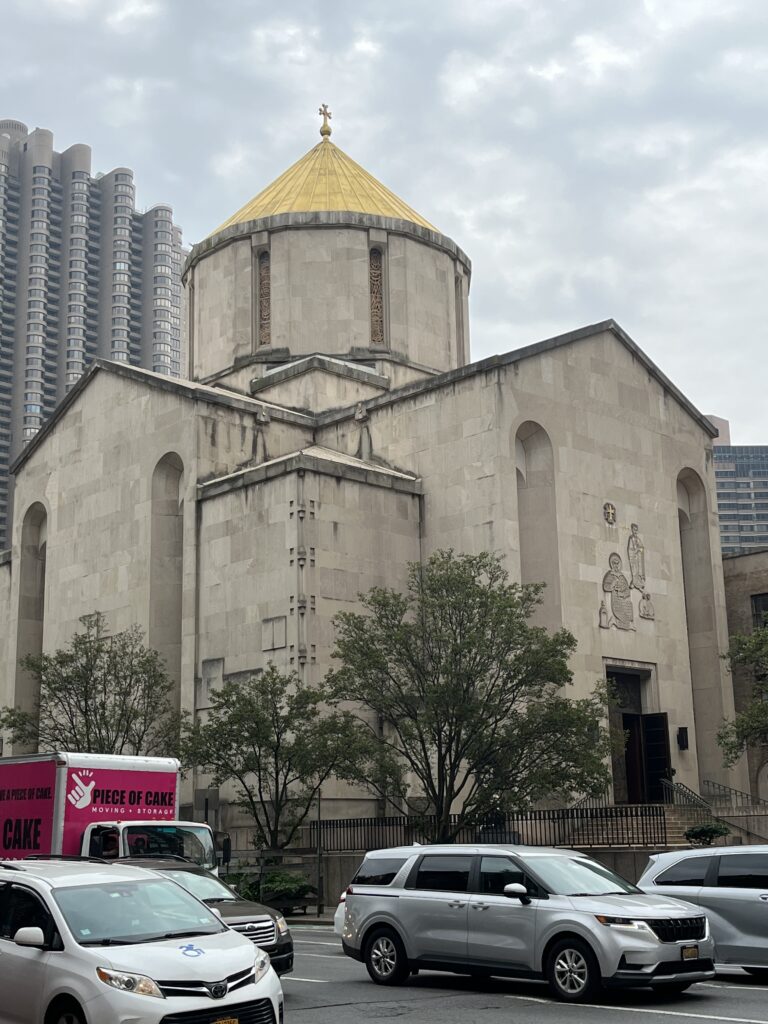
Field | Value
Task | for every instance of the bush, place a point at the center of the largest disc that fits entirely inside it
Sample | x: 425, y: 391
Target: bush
x: 279, y: 887
x: 286, y: 886
x: 705, y: 835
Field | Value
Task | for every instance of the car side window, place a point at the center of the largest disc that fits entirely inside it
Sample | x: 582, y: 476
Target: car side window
x: 744, y: 871
x: 378, y: 870
x: 496, y: 872
x: 688, y: 871
x: 443, y: 874
x: 24, y: 909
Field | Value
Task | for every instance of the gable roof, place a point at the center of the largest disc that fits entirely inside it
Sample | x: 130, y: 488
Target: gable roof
x: 185, y: 388
x: 528, y: 352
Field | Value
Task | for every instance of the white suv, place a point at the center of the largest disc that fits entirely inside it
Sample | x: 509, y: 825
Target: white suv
x: 84, y: 943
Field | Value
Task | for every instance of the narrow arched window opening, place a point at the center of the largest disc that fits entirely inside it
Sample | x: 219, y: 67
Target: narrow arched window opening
x: 376, y: 280
x: 265, y: 300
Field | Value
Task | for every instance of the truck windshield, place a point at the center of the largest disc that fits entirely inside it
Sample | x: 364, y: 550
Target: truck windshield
x: 193, y: 842
x: 123, y: 913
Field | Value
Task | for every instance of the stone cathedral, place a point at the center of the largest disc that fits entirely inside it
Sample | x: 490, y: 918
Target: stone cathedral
x: 334, y: 428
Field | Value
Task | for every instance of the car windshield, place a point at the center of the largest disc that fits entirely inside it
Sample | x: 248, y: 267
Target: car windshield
x: 205, y: 887
x: 122, y: 913
x: 577, y: 876
x: 192, y: 842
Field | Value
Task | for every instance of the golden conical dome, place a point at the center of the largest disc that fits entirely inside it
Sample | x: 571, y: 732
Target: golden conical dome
x: 326, y: 180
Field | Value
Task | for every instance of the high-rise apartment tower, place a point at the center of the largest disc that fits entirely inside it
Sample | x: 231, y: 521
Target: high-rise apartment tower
x: 741, y: 473
x: 82, y: 275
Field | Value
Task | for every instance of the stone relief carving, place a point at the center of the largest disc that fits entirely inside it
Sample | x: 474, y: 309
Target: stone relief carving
x: 376, y: 277
x: 647, y: 611
x: 609, y: 513
x: 636, y: 556
x: 615, y: 583
x: 265, y: 300
x: 620, y: 613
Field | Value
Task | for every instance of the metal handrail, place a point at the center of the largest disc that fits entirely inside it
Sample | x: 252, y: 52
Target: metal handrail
x: 679, y: 794
x: 735, y: 797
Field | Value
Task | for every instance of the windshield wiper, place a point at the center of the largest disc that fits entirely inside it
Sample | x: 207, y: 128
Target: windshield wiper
x: 184, y: 934
x: 220, y: 899
x: 112, y: 942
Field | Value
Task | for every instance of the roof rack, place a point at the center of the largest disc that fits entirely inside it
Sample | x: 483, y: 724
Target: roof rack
x: 156, y: 856
x: 69, y: 857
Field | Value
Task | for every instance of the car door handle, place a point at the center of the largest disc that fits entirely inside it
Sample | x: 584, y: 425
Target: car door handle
x: 481, y: 906
x: 456, y: 904
x: 764, y: 897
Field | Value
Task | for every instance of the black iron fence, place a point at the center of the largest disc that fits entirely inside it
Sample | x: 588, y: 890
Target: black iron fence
x: 613, y: 826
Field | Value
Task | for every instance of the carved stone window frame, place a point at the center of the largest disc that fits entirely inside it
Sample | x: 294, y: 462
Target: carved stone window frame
x: 646, y: 671
x: 458, y: 304
x: 260, y: 248
x: 377, y: 240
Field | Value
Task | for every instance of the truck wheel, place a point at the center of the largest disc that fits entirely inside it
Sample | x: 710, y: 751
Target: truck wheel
x: 385, y: 958
x: 573, y: 971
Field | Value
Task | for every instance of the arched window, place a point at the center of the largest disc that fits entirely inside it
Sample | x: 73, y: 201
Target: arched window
x: 29, y: 634
x: 537, y: 518
x: 376, y: 280
x: 459, y: 304
x: 265, y: 300
x: 165, y: 563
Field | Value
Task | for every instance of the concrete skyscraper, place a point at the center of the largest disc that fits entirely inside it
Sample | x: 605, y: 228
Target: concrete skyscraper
x: 82, y: 275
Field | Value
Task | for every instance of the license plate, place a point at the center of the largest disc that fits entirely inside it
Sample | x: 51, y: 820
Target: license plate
x: 227, y: 1020
x: 686, y: 952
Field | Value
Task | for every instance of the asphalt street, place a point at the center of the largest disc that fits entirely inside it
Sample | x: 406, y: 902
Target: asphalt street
x: 328, y: 988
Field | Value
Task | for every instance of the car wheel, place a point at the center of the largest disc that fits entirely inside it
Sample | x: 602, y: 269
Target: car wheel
x: 65, y: 1014
x: 385, y: 958
x: 760, y: 973
x: 573, y: 971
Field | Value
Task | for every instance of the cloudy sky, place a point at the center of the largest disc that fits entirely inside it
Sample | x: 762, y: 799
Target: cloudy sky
x: 595, y: 158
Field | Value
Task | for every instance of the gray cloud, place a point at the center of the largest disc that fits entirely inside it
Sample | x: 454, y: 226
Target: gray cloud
x: 594, y: 159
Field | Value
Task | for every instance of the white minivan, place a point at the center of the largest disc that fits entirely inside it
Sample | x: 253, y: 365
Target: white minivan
x: 84, y: 942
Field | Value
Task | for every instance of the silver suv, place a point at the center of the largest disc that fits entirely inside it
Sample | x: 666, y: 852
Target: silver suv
x: 519, y: 912
x: 730, y: 884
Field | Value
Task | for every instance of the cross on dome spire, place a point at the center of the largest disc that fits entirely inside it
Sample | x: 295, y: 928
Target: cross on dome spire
x: 326, y: 115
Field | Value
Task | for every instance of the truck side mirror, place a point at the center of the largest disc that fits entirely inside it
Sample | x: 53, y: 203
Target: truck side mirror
x: 30, y: 937
x: 517, y: 891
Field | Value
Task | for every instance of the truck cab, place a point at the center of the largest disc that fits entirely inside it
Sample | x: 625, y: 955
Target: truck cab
x: 192, y: 840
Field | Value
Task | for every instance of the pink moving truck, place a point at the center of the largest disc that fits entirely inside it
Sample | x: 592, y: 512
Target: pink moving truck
x: 97, y: 805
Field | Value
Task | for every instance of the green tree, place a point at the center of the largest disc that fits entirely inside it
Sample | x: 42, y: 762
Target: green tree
x: 748, y: 654
x: 465, y: 696
x: 103, y: 694
x: 272, y: 738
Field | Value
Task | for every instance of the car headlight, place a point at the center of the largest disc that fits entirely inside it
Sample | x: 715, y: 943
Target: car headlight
x: 282, y: 925
x: 138, y: 984
x: 625, y: 924
x: 261, y: 965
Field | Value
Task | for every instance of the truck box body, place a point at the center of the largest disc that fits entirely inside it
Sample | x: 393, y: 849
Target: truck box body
x: 47, y: 801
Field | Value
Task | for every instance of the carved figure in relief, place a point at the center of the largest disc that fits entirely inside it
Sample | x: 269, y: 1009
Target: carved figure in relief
x: 615, y: 583
x: 647, y: 611
x: 636, y: 556
x: 604, y: 619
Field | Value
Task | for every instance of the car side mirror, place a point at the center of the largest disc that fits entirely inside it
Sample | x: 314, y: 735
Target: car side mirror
x: 30, y: 937
x: 216, y: 911
x: 516, y: 891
